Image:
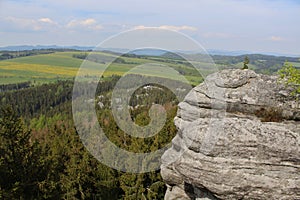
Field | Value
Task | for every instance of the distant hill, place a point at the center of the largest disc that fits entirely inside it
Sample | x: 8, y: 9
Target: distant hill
x: 33, y: 47
x: 145, y: 52
x: 149, y: 52
x: 242, y: 52
x: 227, y: 53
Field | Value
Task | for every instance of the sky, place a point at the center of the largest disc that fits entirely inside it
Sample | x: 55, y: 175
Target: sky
x: 250, y: 25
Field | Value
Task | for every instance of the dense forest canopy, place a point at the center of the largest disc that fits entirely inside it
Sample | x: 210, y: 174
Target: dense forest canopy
x: 41, y: 118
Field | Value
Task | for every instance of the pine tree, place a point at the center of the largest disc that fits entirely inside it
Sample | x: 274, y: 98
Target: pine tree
x: 246, y: 62
x: 19, y: 159
x: 291, y: 77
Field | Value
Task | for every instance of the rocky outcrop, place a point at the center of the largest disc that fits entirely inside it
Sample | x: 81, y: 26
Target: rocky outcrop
x: 238, y: 138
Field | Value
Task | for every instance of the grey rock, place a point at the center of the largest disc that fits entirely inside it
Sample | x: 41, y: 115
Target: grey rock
x: 238, y: 138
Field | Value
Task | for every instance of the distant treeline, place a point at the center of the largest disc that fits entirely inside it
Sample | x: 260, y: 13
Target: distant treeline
x: 4, y: 55
x: 103, y: 59
x: 45, y: 99
x: 15, y: 86
x: 265, y: 64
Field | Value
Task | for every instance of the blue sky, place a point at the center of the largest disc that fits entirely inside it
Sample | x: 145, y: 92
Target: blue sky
x: 252, y: 25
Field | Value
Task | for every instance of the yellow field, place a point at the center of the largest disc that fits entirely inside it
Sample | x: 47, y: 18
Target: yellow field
x: 62, y: 65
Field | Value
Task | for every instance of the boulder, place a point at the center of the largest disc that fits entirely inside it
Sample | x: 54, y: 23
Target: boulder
x: 238, y: 138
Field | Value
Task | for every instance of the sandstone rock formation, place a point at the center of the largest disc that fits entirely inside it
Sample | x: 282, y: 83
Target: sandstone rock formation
x: 238, y: 138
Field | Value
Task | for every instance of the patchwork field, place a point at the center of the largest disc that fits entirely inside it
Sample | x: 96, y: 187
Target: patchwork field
x: 43, y: 68
x: 63, y: 65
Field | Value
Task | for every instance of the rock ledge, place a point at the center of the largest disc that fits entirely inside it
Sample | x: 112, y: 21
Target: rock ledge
x: 253, y: 153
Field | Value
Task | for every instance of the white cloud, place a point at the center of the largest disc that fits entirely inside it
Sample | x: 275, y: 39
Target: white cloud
x: 86, y: 23
x: 217, y: 35
x: 275, y: 38
x: 244, y: 20
x: 30, y: 24
x: 23, y: 23
x: 179, y: 28
x: 47, y: 20
x: 169, y: 27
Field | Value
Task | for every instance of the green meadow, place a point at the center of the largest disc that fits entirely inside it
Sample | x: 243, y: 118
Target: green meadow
x: 46, y: 68
x: 296, y: 64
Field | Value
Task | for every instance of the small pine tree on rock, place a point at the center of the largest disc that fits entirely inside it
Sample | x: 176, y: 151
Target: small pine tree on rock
x: 246, y: 62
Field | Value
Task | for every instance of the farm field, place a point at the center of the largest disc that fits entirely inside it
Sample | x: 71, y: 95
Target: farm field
x: 63, y: 65
x: 296, y: 64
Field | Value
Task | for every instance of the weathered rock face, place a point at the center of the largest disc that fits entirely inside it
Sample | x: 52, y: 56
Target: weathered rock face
x: 238, y: 138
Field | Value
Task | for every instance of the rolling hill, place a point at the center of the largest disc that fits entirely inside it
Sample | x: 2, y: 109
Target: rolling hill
x: 62, y: 65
